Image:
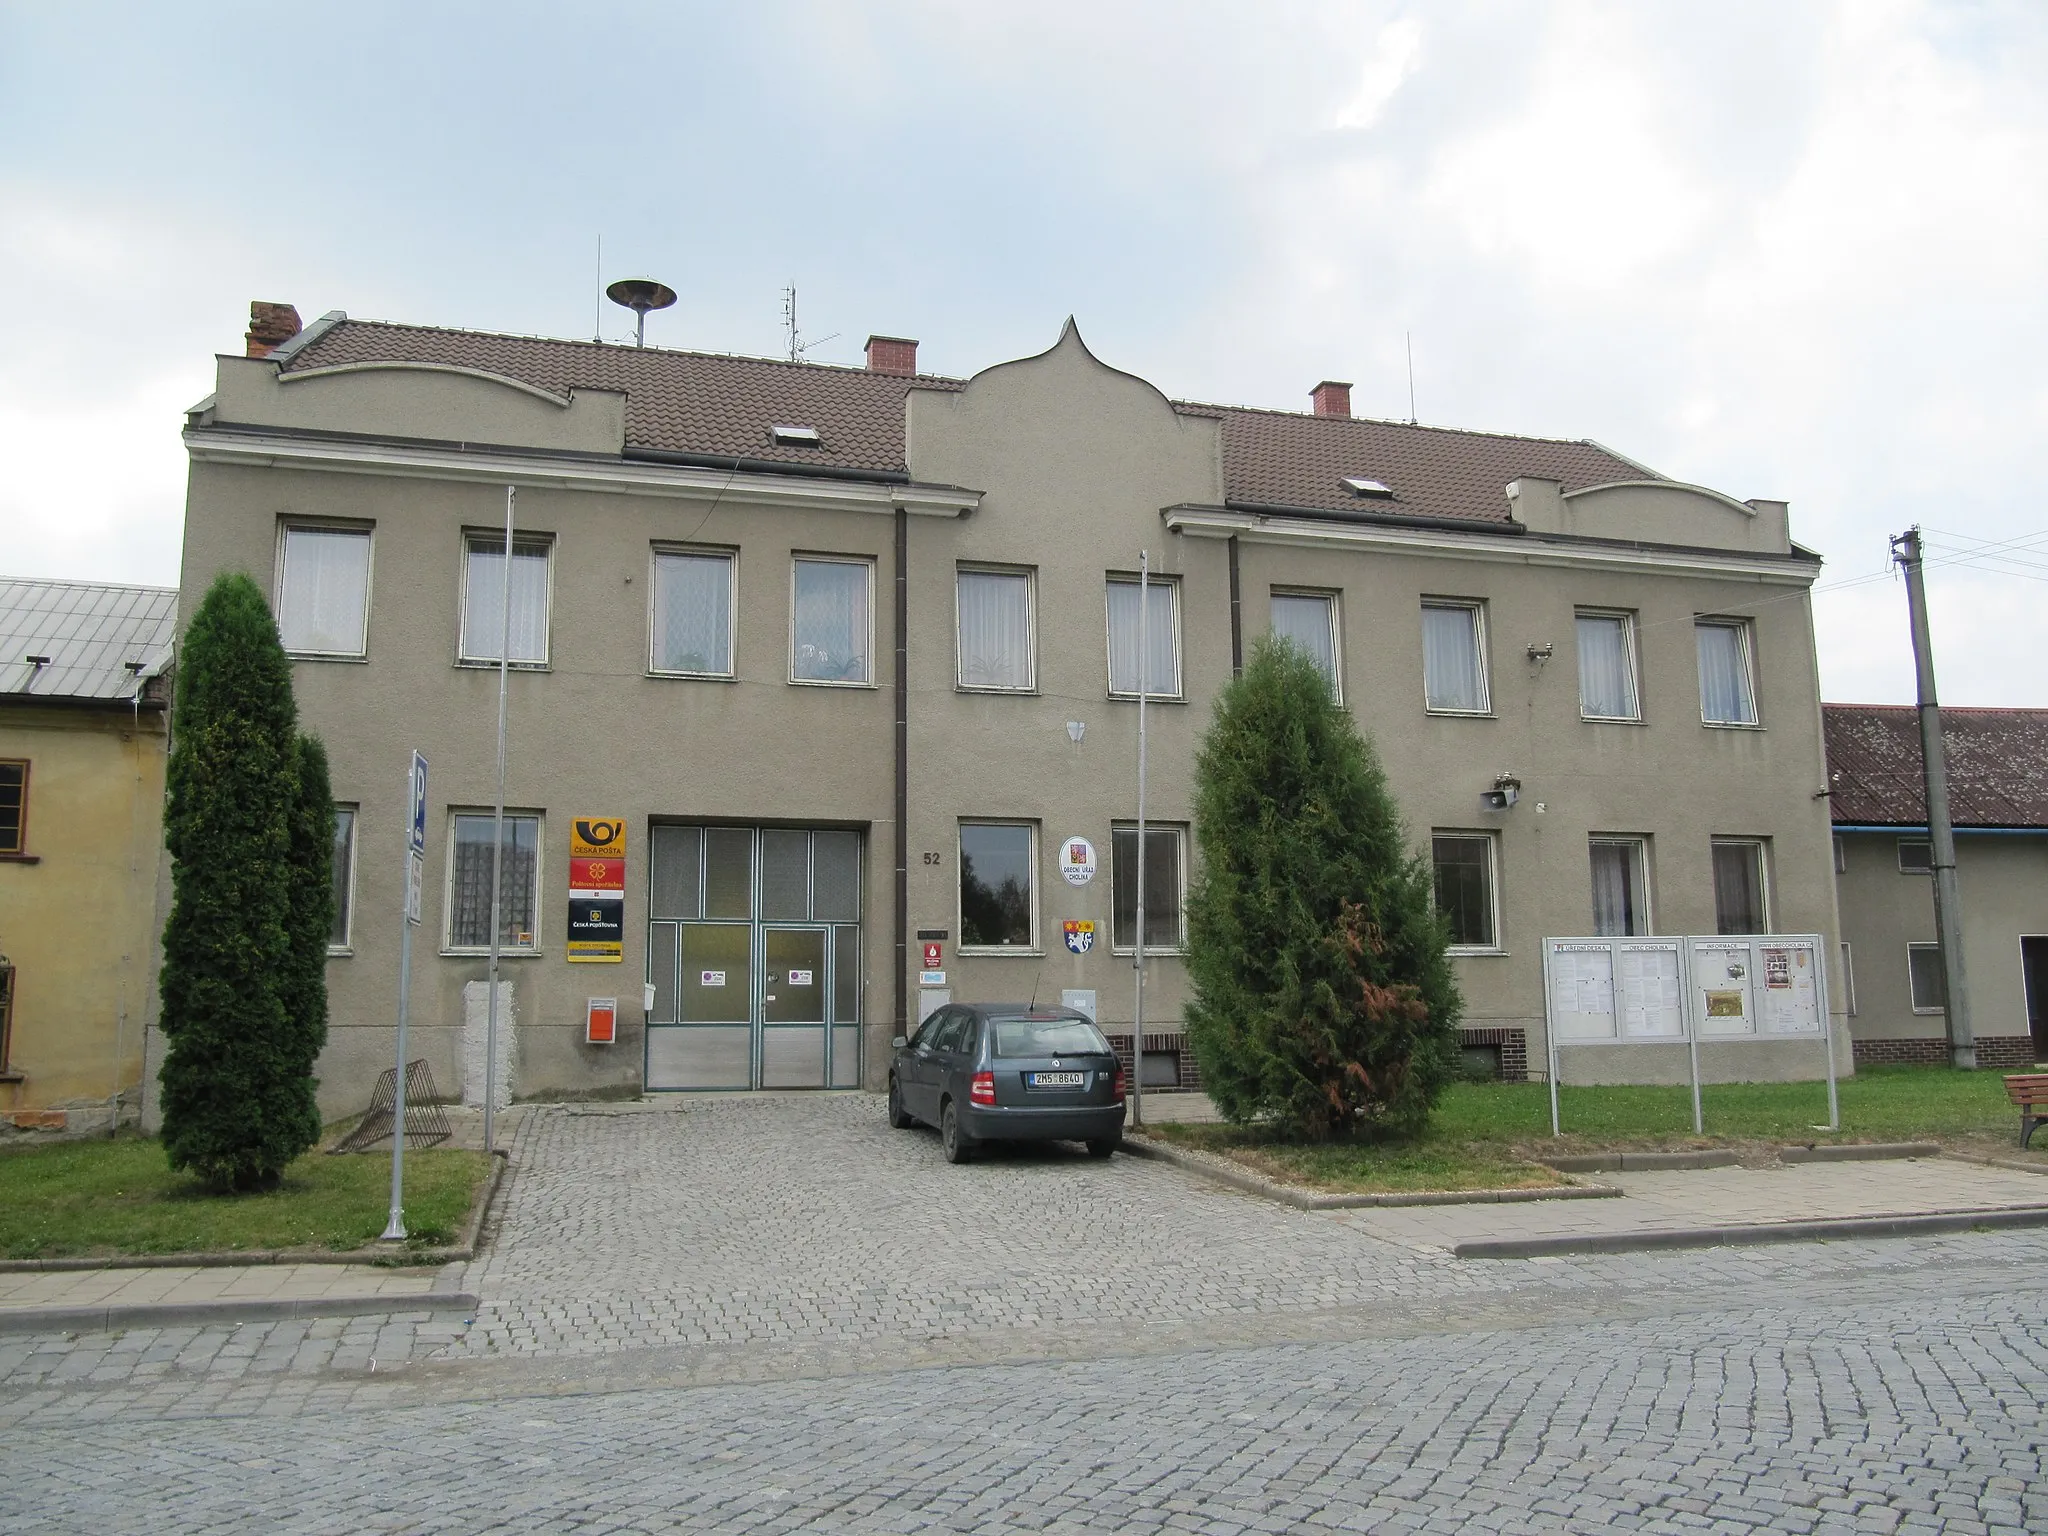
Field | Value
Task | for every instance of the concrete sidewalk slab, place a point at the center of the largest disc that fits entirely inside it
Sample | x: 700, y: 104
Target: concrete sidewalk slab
x: 1726, y: 1205
x: 52, y: 1300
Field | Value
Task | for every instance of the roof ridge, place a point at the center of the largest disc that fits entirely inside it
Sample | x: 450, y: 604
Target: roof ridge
x: 97, y: 586
x: 1412, y: 426
x: 1946, y: 709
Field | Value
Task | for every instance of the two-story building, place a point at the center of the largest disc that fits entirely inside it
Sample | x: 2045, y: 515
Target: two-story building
x: 854, y: 654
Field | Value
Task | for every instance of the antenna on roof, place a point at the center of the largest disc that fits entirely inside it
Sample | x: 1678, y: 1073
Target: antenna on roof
x: 597, y: 330
x: 1409, y: 337
x: 797, y: 345
x: 640, y: 294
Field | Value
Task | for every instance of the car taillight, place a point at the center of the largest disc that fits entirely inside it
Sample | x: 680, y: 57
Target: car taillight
x: 982, y: 1088
x: 1116, y: 1087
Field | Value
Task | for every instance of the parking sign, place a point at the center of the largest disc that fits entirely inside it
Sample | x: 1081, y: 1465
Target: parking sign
x: 417, y: 836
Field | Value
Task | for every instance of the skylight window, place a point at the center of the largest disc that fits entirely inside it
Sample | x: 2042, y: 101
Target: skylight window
x: 1359, y: 485
x: 796, y: 437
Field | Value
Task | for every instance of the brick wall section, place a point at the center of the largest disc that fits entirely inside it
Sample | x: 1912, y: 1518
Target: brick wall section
x: 1190, y: 1074
x: 2003, y: 1053
x: 1513, y: 1045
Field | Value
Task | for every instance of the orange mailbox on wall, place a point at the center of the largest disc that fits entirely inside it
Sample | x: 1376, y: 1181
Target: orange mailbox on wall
x: 601, y: 1022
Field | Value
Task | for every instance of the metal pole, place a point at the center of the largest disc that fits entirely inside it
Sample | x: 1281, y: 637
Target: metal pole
x: 1948, y: 901
x: 1138, y: 949
x: 498, y: 843
x: 1692, y: 1046
x: 1550, y: 1042
x: 394, y: 1229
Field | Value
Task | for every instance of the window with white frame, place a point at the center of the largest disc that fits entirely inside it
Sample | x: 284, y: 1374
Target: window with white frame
x: 993, y: 618
x: 831, y: 619
x: 469, y: 881
x: 1464, y: 867
x: 1741, y: 895
x: 1925, y: 979
x: 1160, y: 653
x: 1727, y: 672
x: 1916, y: 856
x: 1607, y: 667
x: 998, y: 895
x: 323, y: 590
x: 344, y: 877
x: 483, y: 599
x: 1165, y: 887
x: 1454, y: 658
x: 1621, y: 886
x: 1309, y: 619
x: 690, y: 631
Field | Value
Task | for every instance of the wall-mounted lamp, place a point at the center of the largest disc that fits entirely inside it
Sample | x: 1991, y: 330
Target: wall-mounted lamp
x: 1076, y: 729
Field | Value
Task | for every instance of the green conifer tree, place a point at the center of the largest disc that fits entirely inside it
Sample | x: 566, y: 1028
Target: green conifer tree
x: 311, y: 923
x: 235, y: 1096
x: 1322, y: 999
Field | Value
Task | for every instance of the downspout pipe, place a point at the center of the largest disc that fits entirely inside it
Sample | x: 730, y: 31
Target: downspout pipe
x: 902, y: 773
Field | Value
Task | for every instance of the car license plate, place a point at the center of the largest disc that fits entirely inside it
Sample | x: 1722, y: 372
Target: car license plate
x: 1058, y: 1079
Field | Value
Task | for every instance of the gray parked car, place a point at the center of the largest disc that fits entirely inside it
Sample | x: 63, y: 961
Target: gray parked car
x: 1008, y: 1072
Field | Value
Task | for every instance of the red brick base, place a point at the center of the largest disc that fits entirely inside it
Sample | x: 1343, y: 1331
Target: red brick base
x: 1188, y: 1077
x: 2001, y: 1053
x: 1513, y: 1045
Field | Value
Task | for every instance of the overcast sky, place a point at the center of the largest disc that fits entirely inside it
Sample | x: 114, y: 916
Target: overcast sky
x: 1786, y: 250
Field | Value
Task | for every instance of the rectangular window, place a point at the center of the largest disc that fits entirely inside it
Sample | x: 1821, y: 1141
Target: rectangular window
x: 323, y: 591
x: 1916, y: 856
x: 1727, y: 680
x: 14, y: 805
x: 691, y: 631
x: 1309, y: 619
x: 1454, y: 658
x: 831, y: 631
x: 344, y: 875
x: 1161, y: 651
x: 1621, y: 886
x: 1926, y: 979
x: 1464, y: 887
x: 1163, y: 887
x: 1607, y: 667
x: 997, y: 905
x: 483, y: 599
x: 1740, y: 904
x: 469, y: 882
x: 993, y: 619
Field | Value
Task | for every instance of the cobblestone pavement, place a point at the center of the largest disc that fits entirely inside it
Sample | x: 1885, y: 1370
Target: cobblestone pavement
x: 774, y: 1315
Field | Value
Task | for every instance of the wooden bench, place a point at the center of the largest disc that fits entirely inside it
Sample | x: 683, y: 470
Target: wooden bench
x: 2029, y: 1091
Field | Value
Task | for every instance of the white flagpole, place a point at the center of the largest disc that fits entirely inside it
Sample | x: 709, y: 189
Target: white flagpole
x: 1138, y: 949
x: 498, y: 839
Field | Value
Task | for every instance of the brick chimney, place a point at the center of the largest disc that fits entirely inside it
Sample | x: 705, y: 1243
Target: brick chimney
x: 1331, y: 398
x: 892, y: 354
x: 270, y: 327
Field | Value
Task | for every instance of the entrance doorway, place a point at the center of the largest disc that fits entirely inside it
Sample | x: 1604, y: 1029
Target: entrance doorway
x: 753, y: 951
x: 2034, y: 968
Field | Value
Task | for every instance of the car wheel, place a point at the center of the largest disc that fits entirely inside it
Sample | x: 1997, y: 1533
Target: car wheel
x: 1103, y: 1146
x: 899, y: 1117
x: 953, y: 1141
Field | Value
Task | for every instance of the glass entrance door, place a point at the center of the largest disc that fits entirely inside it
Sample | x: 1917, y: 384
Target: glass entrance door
x: 794, y: 1028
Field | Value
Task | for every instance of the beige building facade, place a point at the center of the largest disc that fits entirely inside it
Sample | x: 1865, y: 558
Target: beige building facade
x: 854, y: 655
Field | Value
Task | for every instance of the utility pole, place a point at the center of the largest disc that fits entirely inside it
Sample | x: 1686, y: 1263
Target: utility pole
x: 1948, y: 901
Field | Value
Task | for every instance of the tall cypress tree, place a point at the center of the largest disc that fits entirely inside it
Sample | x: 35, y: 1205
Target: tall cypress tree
x: 311, y: 924
x: 1322, y: 998
x: 235, y: 1096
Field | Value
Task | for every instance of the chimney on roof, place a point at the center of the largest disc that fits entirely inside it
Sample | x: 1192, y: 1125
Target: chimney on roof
x: 270, y: 327
x: 892, y: 354
x: 1331, y: 398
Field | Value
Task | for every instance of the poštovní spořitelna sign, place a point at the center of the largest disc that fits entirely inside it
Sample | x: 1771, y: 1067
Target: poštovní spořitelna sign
x: 597, y: 889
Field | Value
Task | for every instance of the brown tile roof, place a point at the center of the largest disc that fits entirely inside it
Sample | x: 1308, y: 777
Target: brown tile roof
x: 715, y: 405
x: 1997, y: 765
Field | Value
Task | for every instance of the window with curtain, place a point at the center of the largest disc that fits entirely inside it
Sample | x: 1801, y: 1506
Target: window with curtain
x: 1621, y: 897
x: 1453, y: 658
x: 1607, y: 667
x: 1309, y: 619
x: 483, y: 599
x: 1163, y: 847
x: 469, y: 883
x: 1161, y: 650
x: 1925, y: 978
x: 344, y: 873
x: 323, y: 595
x: 692, y: 626
x: 1464, y: 887
x: 995, y: 630
x: 996, y: 865
x: 1739, y: 899
x: 829, y: 628
x: 1727, y: 690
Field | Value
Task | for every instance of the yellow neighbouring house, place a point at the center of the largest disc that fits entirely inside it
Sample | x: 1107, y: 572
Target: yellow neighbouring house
x: 84, y: 735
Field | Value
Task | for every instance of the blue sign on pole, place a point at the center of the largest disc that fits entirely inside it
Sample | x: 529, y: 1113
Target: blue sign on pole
x: 417, y: 840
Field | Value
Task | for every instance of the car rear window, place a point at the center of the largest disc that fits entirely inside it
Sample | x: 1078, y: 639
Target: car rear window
x: 1048, y: 1037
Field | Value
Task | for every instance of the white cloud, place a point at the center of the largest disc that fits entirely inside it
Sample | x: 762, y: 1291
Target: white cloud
x: 1394, y: 56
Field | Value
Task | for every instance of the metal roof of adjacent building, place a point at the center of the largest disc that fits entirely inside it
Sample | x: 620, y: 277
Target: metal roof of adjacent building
x: 102, y: 641
x: 715, y: 406
x: 1997, y: 766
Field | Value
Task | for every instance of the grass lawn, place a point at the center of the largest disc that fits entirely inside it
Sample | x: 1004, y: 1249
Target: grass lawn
x: 88, y: 1198
x: 1484, y: 1135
